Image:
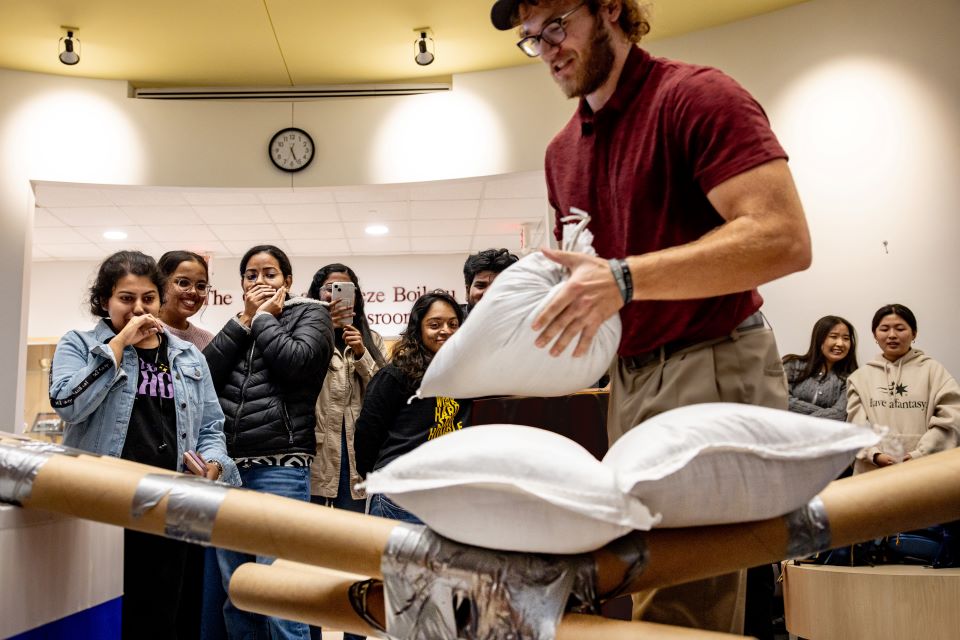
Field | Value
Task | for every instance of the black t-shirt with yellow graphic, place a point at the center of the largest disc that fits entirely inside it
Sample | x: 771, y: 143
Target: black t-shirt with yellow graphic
x: 389, y: 427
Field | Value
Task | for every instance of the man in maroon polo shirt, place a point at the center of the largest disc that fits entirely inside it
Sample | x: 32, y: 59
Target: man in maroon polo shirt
x: 692, y: 208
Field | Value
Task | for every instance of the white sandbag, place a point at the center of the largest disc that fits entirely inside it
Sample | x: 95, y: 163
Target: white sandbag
x: 512, y: 488
x: 494, y: 353
x: 720, y: 463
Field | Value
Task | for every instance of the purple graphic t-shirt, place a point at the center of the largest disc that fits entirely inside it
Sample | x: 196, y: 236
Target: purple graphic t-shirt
x: 151, y: 436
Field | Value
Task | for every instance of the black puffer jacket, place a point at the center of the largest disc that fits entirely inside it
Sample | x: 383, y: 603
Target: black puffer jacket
x: 268, y: 378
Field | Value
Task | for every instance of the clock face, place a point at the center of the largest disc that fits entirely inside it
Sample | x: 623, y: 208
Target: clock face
x: 291, y: 149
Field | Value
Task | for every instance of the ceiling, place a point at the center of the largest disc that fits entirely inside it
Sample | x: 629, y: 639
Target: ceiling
x: 453, y: 216
x: 288, y: 42
x: 277, y: 43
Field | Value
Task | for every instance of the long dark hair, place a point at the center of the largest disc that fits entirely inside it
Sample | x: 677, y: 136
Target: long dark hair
x: 359, y: 315
x: 114, y: 268
x: 276, y: 252
x: 410, y: 355
x: 897, y: 309
x: 814, y: 360
x: 169, y: 262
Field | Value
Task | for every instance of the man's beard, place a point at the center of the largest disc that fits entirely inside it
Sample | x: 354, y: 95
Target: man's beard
x: 595, y: 65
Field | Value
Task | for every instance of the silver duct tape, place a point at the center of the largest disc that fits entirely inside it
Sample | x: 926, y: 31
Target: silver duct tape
x: 808, y: 530
x: 50, y: 447
x: 18, y: 469
x: 192, y: 507
x: 23, y: 442
x: 437, y: 589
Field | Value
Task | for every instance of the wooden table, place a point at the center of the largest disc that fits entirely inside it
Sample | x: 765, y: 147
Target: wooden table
x: 889, y: 602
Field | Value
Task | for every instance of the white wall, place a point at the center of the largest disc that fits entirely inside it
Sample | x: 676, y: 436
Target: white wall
x: 861, y: 92
x: 863, y: 95
x: 59, y: 289
x: 75, y: 130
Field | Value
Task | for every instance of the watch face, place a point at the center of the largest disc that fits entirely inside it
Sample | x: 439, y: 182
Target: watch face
x: 291, y: 149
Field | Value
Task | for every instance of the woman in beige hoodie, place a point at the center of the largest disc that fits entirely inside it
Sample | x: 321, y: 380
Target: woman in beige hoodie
x: 903, y: 389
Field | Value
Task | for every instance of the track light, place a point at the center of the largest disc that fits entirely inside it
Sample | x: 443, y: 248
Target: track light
x: 423, y: 48
x: 69, y: 47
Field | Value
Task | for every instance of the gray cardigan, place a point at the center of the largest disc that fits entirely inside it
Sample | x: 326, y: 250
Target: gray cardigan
x: 824, y: 396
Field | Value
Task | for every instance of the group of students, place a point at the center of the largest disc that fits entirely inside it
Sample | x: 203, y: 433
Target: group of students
x: 294, y: 396
x: 902, y: 388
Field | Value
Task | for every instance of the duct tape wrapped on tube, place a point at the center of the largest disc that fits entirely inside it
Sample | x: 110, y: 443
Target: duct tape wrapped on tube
x: 808, y: 530
x: 50, y: 447
x: 439, y: 589
x: 191, y: 509
x: 18, y: 469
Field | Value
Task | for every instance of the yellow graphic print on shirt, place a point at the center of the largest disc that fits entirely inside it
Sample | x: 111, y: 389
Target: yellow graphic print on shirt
x: 443, y: 418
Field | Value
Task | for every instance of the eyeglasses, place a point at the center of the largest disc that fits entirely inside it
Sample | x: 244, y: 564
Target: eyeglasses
x: 552, y: 33
x: 184, y: 285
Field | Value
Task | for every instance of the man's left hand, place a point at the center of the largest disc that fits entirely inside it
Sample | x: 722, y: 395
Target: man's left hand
x: 584, y: 302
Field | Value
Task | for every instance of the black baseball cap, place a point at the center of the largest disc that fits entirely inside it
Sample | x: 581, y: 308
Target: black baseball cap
x: 503, y: 14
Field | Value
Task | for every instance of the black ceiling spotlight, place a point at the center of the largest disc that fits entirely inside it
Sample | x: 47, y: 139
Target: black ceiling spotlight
x: 69, y: 47
x: 423, y: 47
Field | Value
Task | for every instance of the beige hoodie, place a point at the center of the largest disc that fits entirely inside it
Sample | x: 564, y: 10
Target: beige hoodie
x: 915, y: 397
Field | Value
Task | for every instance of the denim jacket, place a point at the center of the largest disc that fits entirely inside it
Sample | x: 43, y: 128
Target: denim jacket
x: 95, y: 398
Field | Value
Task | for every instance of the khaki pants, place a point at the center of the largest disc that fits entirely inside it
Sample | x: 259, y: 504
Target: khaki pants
x: 743, y: 368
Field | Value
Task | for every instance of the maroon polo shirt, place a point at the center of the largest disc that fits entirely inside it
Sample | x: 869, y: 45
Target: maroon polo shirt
x: 641, y: 167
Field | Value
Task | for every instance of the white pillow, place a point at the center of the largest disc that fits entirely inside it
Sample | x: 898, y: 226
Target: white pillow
x: 720, y: 463
x: 494, y: 352
x: 513, y: 488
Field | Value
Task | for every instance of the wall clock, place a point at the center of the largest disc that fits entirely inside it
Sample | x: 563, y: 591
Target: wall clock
x: 291, y: 149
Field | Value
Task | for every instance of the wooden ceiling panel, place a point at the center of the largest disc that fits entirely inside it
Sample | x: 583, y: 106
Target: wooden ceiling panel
x: 281, y: 42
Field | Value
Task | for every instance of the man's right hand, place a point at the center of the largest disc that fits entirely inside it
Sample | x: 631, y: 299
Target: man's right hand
x: 588, y: 298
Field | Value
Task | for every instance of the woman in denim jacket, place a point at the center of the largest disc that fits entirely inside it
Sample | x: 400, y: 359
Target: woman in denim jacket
x: 126, y: 389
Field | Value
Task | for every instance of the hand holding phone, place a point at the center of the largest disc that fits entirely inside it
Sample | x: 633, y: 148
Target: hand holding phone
x: 343, y: 294
x: 195, y: 463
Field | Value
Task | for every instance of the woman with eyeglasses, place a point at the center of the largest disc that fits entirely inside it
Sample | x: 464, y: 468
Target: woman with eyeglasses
x: 268, y: 364
x: 185, y: 292
x: 188, y: 281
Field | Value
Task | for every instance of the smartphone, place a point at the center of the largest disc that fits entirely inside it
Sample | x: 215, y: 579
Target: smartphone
x: 345, y: 291
x: 195, y: 463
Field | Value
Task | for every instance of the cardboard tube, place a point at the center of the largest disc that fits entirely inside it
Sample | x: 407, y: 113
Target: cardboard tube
x: 309, y: 594
x: 916, y: 494
x: 902, y: 497
x: 912, y: 495
x: 576, y: 626
x: 102, y: 489
x: 281, y: 527
x: 299, y: 592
